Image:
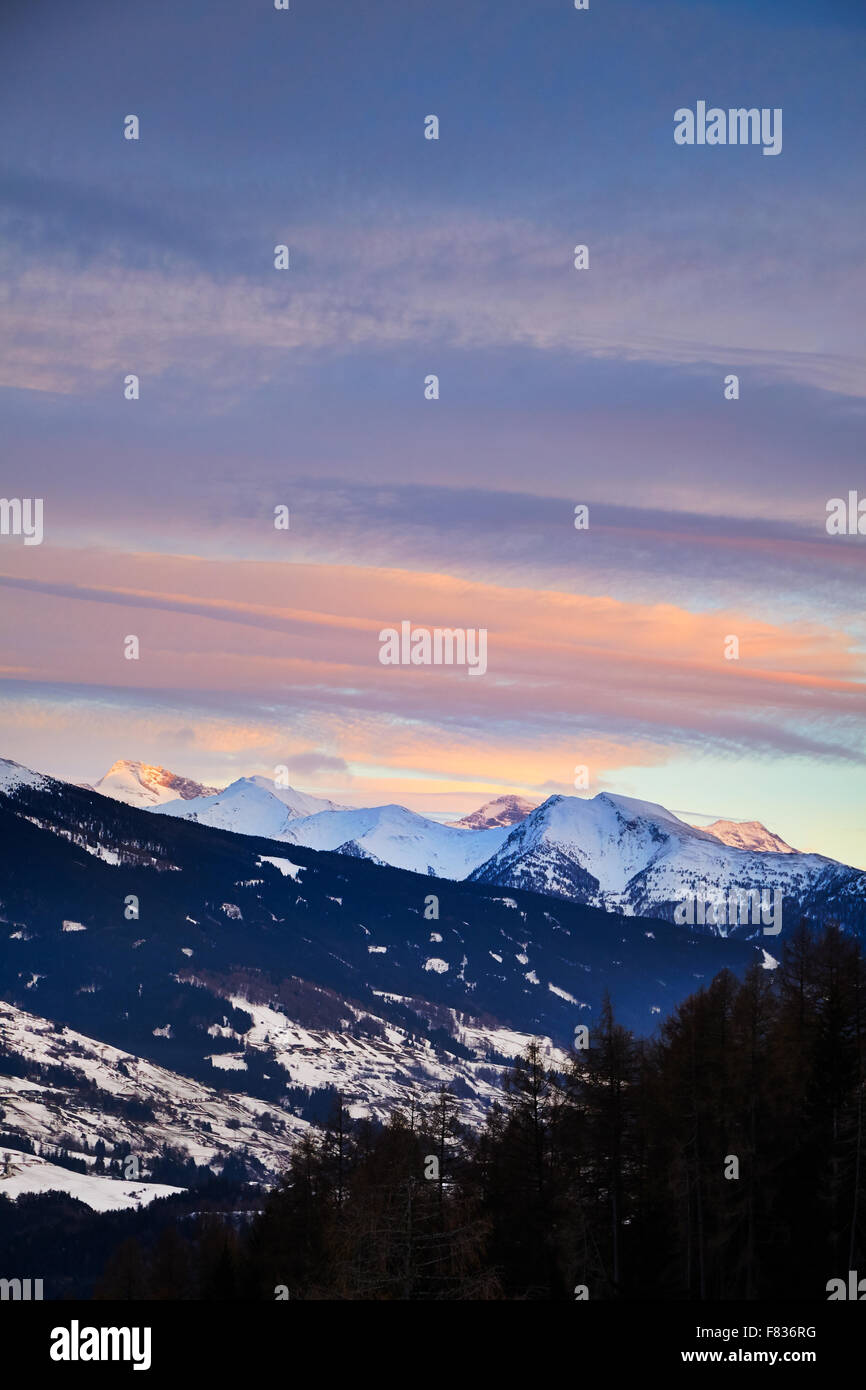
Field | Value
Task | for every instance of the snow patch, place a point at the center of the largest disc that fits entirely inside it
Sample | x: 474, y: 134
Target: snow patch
x: 285, y: 866
x: 564, y: 994
x: 227, y: 1061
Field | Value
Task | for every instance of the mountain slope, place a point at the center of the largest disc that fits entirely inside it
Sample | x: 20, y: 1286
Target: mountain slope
x: 14, y: 777
x: 74, y: 1088
x: 254, y: 977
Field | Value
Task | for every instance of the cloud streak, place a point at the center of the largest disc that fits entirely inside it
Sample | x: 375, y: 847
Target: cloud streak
x: 70, y: 329
x: 653, y: 672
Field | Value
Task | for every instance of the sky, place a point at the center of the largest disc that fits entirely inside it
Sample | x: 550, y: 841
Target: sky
x: 304, y: 388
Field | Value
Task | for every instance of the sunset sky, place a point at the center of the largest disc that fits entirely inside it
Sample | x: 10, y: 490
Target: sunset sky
x: 306, y: 388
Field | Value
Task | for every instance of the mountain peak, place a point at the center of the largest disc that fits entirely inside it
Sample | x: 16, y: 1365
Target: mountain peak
x: 142, y: 784
x: 748, y: 834
x: 394, y: 835
x: 502, y: 810
x: 249, y: 805
x: 631, y: 806
x: 299, y: 803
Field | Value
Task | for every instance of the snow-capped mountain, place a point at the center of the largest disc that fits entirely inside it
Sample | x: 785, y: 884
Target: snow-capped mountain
x: 638, y: 858
x: 139, y: 784
x: 249, y: 806
x: 502, y: 810
x: 748, y: 834
x: 386, y: 834
x: 396, y: 836
x: 585, y: 849
x: 262, y: 973
x: 611, y: 851
x: 298, y: 803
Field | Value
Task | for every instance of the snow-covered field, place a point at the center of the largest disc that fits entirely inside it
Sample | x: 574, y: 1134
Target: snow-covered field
x: 23, y: 1172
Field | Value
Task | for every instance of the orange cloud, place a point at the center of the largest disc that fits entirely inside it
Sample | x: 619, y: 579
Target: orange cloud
x: 565, y: 671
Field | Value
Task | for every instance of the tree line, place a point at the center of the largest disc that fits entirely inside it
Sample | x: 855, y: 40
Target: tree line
x: 721, y: 1159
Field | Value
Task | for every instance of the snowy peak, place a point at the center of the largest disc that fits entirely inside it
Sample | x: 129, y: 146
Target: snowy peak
x: 603, y: 821
x: 249, y: 806
x: 748, y: 834
x: 638, y: 858
x: 502, y: 810
x: 399, y: 837
x: 570, y: 841
x: 297, y: 803
x: 633, y: 809
x: 244, y: 807
x: 140, y: 784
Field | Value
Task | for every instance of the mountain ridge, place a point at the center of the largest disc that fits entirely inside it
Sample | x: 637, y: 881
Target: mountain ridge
x: 283, y: 973
x: 637, y: 857
x: 618, y: 853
